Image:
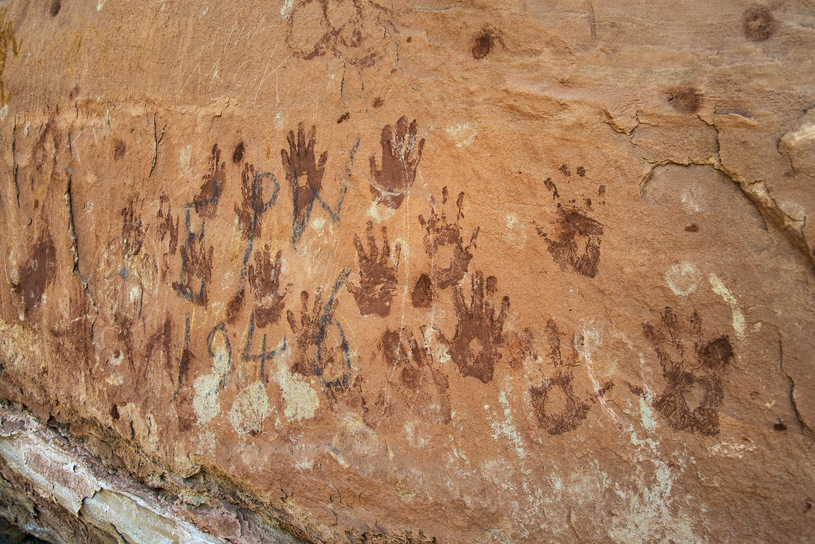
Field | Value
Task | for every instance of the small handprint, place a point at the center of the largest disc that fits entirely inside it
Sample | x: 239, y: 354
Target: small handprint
x: 474, y: 347
x: 316, y: 354
x: 252, y: 206
x: 264, y: 278
x: 196, y: 267
x: 441, y: 233
x: 305, y: 175
x: 576, y: 244
x: 377, y: 274
x: 401, y: 154
x: 206, y: 202
x: 694, y: 377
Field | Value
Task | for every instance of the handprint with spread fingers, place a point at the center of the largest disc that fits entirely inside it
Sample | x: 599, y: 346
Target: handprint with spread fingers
x: 695, y: 388
x: 318, y: 337
x: 378, y: 281
x: 440, y: 233
x: 305, y: 175
x: 401, y: 154
x: 264, y: 278
x: 474, y: 348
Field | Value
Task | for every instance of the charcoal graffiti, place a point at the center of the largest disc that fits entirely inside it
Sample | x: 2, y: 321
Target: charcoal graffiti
x: 693, y: 369
x: 474, y: 347
x: 401, y: 153
x: 378, y: 282
x: 305, y: 176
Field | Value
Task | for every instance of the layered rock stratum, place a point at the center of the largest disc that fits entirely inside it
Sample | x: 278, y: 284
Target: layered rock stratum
x: 428, y: 271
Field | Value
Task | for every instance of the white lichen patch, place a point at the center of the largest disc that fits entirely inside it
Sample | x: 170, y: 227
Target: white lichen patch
x: 206, y: 403
x: 250, y: 408
x: 463, y: 134
x: 683, y: 279
x: 300, y: 398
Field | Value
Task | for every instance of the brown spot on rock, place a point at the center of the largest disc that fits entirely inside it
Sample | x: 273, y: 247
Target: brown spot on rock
x: 378, y: 102
x: 422, y: 295
x: 780, y: 426
x: 685, y: 100
x: 56, y: 5
x: 237, y: 156
x: 37, y: 274
x: 484, y: 42
x: 119, y: 149
x: 758, y: 24
x: 693, y: 227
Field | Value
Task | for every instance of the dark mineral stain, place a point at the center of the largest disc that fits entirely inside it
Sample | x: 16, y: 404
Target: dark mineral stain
x: 576, y: 243
x: 685, y: 100
x: 119, y: 149
x: 237, y: 155
x: 572, y: 413
x: 36, y: 203
x: 206, y: 202
x: 564, y: 169
x: 114, y: 411
x: 37, y: 274
x: 264, y: 279
x: 378, y: 102
x: 482, y: 44
x: 780, y: 426
x: 581, y: 171
x: 601, y: 191
x: 377, y: 273
x: 693, y: 227
x: 758, y: 24
x: 422, y: 295
x: 474, y: 348
x: 343, y: 117
x: 56, y: 5
x: 697, y: 381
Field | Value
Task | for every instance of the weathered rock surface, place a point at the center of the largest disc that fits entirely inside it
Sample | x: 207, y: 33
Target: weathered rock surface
x: 342, y: 271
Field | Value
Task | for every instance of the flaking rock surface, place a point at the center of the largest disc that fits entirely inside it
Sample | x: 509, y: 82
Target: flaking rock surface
x: 349, y: 271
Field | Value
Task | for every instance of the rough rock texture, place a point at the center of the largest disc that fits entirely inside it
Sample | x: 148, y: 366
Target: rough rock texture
x: 347, y: 271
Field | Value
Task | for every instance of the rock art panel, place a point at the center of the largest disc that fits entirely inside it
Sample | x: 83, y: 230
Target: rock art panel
x: 564, y: 296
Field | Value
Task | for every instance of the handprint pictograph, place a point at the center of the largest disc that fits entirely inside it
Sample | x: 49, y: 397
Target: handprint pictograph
x: 206, y: 202
x: 378, y: 281
x: 304, y: 174
x: 564, y: 412
x: 474, y: 348
x: 264, y: 279
x: 442, y: 233
x: 695, y: 389
x: 401, y: 153
x: 317, y: 355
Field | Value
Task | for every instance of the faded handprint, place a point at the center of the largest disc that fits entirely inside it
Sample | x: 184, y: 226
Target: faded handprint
x: 694, y: 376
x: 417, y: 377
x: 206, y: 202
x: 317, y: 355
x: 377, y: 274
x: 196, y: 267
x: 401, y: 154
x: 474, y: 347
x: 264, y: 279
x: 576, y: 244
x: 441, y: 233
x: 305, y: 175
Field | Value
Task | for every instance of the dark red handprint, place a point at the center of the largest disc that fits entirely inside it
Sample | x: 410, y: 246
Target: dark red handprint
x: 377, y: 273
x: 264, y: 279
x: 401, y: 154
x: 474, y: 348
x: 304, y: 174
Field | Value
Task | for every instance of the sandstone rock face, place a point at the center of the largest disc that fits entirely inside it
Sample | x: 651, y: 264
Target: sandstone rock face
x: 428, y: 271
